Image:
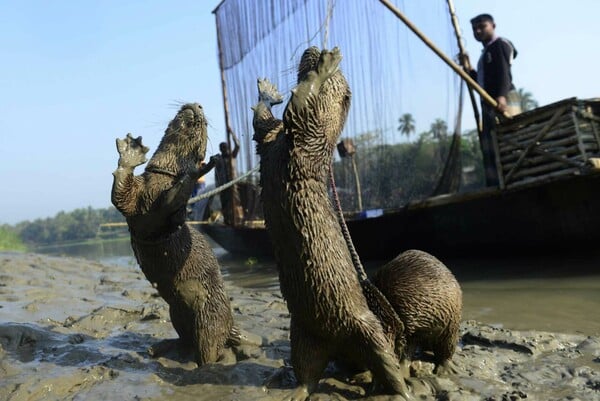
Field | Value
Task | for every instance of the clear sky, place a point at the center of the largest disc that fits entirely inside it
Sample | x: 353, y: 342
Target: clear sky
x: 74, y: 75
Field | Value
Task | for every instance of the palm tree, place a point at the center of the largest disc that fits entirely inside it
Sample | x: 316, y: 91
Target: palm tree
x: 526, y: 100
x: 407, y: 124
x: 439, y: 132
x: 439, y: 129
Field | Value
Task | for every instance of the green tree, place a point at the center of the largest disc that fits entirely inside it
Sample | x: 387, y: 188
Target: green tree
x: 77, y: 225
x: 9, y: 240
x: 526, y: 100
x: 407, y: 124
x: 439, y: 129
x: 439, y: 133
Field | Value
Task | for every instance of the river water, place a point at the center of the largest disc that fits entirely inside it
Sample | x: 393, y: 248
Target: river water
x: 558, y: 295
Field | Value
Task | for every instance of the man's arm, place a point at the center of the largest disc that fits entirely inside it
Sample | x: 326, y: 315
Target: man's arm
x: 206, y: 167
x: 236, y: 144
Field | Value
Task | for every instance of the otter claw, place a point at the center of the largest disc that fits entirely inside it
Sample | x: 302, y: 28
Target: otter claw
x: 132, y: 151
x: 268, y: 93
x: 329, y: 62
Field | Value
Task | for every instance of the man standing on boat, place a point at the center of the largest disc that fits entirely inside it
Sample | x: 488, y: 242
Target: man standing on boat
x: 224, y: 165
x: 494, y: 75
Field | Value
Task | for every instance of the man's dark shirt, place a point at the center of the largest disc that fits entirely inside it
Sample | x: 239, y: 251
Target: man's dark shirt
x: 222, y: 169
x: 494, y: 63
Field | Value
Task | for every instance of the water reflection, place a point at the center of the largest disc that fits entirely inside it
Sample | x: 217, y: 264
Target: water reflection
x: 560, y: 295
x: 105, y: 251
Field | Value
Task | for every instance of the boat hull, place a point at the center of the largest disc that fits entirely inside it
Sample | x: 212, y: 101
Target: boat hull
x: 541, y: 218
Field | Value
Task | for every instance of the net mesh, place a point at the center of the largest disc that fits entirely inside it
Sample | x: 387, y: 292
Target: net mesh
x: 391, y: 73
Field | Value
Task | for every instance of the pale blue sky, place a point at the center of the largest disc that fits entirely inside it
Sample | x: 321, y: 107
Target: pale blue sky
x: 77, y: 74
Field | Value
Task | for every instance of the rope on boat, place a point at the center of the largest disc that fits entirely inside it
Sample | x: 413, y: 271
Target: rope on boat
x: 223, y: 187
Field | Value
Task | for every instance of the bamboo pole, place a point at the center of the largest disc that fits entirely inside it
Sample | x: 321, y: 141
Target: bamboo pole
x: 226, y: 112
x: 470, y: 81
x: 461, y: 49
x: 357, y: 183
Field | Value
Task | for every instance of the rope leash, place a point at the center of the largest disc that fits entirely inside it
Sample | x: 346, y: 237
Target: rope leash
x: 223, y: 187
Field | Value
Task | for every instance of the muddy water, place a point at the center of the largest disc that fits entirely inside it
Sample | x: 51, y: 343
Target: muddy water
x: 558, y: 295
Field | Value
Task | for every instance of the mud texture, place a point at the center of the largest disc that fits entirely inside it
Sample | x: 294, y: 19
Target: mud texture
x: 73, y: 329
x: 330, y: 316
x: 428, y: 300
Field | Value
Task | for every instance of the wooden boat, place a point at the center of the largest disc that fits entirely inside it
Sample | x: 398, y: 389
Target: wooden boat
x: 549, y: 204
x: 558, y: 215
x: 547, y: 160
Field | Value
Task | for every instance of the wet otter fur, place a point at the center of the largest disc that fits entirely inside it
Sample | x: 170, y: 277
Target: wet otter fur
x: 174, y: 257
x: 428, y: 299
x: 330, y: 316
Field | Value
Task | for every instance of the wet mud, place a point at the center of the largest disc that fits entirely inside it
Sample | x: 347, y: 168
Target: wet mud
x: 74, y: 329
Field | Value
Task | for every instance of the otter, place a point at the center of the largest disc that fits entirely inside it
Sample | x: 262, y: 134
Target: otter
x: 428, y: 300
x: 173, y: 256
x: 330, y: 315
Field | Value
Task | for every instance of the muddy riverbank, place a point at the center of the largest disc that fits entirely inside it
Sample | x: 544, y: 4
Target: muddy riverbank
x: 77, y: 329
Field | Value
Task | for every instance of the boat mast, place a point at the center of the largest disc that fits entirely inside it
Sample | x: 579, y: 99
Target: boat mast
x: 461, y: 49
x: 226, y: 112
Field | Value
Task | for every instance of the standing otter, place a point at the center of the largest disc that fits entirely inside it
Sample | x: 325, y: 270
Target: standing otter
x: 330, y: 316
x: 174, y: 257
x: 428, y: 300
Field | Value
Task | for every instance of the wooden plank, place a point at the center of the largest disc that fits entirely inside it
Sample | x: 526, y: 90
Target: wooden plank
x: 539, y: 170
x: 559, y: 143
x: 565, y: 126
x: 595, y: 132
x: 547, y: 157
x: 535, y: 115
x: 532, y: 129
x: 538, y: 154
x: 579, y: 141
x: 501, y: 182
x: 534, y: 180
x: 541, y: 134
x: 555, y: 136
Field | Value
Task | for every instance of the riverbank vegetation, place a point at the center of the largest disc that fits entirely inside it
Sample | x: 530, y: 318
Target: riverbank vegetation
x: 10, y: 241
x: 77, y: 225
x: 391, y: 175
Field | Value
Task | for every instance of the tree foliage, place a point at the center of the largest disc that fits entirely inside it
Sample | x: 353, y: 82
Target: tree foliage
x: 392, y: 175
x: 9, y: 239
x: 77, y: 225
x: 526, y: 100
x: 406, y: 124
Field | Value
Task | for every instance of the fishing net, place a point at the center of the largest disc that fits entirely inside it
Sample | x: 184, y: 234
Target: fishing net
x: 391, y: 73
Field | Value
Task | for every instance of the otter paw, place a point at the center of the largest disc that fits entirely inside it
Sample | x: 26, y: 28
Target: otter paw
x: 329, y: 63
x: 268, y: 93
x: 131, y: 151
x: 447, y: 368
x: 164, y: 347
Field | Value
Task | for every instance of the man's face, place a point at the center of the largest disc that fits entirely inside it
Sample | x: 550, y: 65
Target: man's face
x: 483, y: 31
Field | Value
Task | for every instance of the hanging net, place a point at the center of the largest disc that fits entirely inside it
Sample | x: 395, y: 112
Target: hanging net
x: 405, y: 99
